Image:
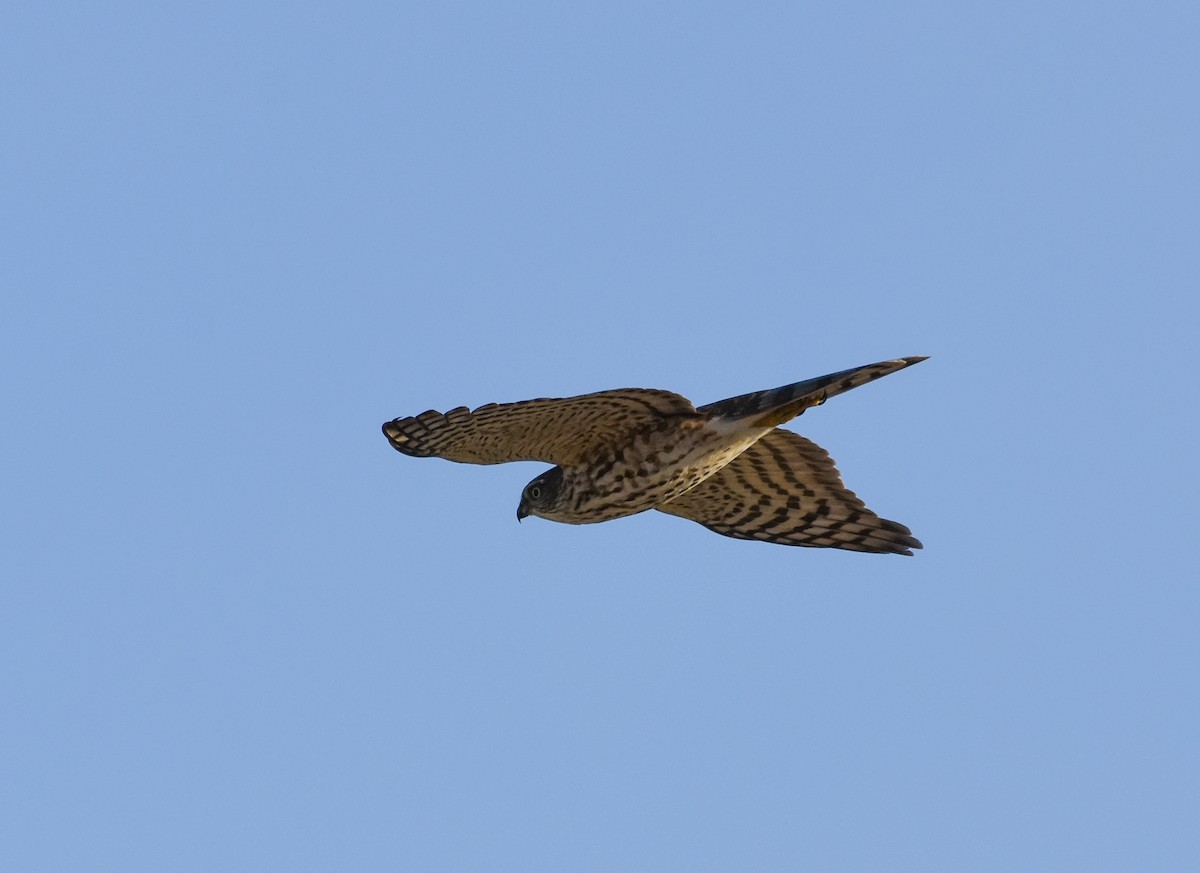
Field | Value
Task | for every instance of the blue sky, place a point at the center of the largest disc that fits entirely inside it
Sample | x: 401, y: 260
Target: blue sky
x: 239, y: 632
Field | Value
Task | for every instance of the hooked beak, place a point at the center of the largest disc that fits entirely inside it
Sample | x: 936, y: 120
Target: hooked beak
x: 522, y: 512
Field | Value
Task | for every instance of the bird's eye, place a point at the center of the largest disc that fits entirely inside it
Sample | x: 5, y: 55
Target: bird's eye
x: 535, y: 491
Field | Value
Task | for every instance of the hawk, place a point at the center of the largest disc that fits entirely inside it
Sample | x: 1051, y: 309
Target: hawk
x: 727, y: 465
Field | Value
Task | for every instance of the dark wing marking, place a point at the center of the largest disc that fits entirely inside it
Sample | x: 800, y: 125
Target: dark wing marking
x: 778, y: 405
x: 558, y: 430
x: 786, y: 489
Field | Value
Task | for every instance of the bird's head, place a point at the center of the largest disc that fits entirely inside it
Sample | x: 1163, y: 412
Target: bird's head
x: 541, y: 495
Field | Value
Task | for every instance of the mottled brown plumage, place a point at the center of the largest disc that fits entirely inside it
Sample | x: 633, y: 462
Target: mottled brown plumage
x: 725, y: 465
x: 786, y: 489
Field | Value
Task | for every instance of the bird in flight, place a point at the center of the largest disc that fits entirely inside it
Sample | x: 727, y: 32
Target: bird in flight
x: 727, y: 465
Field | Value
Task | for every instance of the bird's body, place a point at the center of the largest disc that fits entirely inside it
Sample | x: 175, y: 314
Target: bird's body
x: 656, y: 465
x: 726, y: 465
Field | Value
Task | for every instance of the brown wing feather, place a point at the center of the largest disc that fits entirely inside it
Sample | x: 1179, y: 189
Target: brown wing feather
x: 557, y: 430
x: 786, y: 489
x: 778, y: 405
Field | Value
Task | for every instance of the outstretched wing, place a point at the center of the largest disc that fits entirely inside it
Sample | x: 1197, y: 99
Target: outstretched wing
x: 775, y: 406
x: 786, y: 489
x: 558, y: 430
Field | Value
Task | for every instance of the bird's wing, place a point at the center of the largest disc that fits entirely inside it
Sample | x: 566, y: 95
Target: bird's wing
x: 775, y: 406
x: 786, y: 489
x: 557, y: 430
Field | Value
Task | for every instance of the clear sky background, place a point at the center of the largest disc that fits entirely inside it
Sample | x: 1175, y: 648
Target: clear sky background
x: 238, y: 632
